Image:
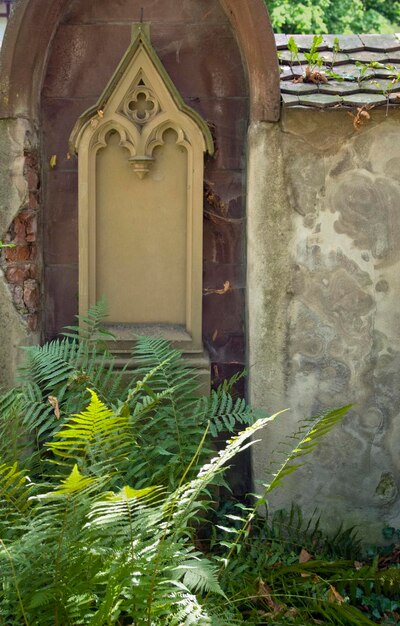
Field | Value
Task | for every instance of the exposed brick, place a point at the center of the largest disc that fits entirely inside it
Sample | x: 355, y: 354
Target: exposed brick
x: 19, y: 230
x: 31, y: 228
x: 19, y: 263
x: 17, y: 275
x: 31, y: 295
x: 33, y: 200
x: 19, y: 253
x: 31, y: 160
x: 32, y: 179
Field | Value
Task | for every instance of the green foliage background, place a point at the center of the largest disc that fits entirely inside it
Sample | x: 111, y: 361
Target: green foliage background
x: 334, y: 16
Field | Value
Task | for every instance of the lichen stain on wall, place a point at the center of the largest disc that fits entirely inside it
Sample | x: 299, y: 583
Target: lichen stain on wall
x: 343, y: 321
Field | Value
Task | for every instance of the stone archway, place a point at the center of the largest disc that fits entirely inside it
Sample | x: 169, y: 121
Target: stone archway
x: 250, y: 91
x: 32, y: 27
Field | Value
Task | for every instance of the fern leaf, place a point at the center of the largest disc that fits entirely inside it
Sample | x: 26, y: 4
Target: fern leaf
x: 199, y: 576
x: 14, y: 493
x: 122, y: 505
x: 73, y: 483
x: 309, y: 435
x: 94, y: 431
x: 185, y: 497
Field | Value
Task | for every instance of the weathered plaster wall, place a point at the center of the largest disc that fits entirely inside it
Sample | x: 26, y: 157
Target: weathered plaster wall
x: 19, y: 290
x: 324, y: 287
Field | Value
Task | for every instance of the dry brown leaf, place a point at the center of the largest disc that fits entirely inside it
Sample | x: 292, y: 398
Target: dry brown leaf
x: 227, y: 287
x: 265, y: 592
x: 334, y: 595
x: 359, y: 117
x: 304, y: 556
x: 315, y: 76
x: 213, y: 199
x: 54, y: 403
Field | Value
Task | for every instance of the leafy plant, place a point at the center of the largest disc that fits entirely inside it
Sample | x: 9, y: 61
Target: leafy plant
x: 105, y: 476
x: 313, y: 57
x: 314, y: 60
x: 288, y: 571
x: 89, y: 549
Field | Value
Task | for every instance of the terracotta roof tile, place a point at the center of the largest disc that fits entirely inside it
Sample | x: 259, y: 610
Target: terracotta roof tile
x: 363, y: 71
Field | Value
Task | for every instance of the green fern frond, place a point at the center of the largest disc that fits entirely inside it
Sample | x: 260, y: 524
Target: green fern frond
x: 73, y: 483
x: 50, y: 364
x: 13, y: 447
x: 90, y: 328
x: 182, y: 501
x: 308, y: 437
x: 122, y: 506
x: 223, y: 412
x: 152, y: 353
x: 93, y: 434
x: 15, y: 491
x: 187, y: 611
x: 199, y: 575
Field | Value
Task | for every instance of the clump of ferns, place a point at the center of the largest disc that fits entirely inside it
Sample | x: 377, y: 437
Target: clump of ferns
x: 100, y: 495
x: 82, y: 550
x: 157, y: 390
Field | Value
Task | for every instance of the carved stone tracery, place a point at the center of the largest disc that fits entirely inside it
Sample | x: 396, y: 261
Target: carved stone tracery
x: 141, y: 105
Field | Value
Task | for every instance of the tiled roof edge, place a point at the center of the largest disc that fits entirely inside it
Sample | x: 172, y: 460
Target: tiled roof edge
x: 352, y: 70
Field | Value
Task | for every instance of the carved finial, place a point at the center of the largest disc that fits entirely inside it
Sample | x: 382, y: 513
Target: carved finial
x: 140, y: 28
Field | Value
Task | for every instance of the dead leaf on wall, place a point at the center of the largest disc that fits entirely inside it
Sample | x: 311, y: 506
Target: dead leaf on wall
x: 360, y: 117
x: 227, y: 287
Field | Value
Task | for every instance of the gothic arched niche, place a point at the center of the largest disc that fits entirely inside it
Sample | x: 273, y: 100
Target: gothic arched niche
x: 220, y: 54
x: 140, y: 180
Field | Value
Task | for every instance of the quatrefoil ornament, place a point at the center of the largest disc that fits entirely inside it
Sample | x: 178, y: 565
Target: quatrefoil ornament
x: 141, y: 105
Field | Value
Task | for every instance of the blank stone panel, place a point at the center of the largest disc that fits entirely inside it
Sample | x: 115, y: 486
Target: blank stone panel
x: 141, y: 235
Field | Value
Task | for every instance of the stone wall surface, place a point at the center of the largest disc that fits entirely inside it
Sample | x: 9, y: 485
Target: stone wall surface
x: 19, y: 285
x: 324, y: 287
